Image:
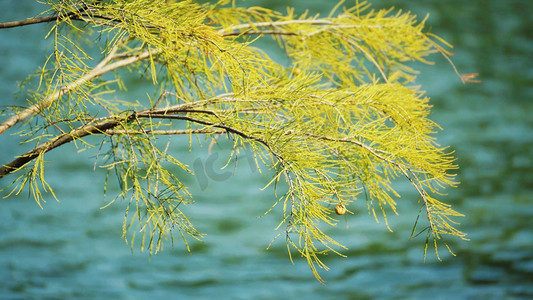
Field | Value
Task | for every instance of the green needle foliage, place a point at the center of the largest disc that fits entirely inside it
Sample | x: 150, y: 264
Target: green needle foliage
x: 338, y: 120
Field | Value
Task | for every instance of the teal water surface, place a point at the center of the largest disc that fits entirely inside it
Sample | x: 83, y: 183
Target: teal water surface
x: 72, y: 249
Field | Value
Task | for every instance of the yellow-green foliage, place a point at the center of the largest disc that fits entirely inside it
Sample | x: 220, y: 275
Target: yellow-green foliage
x: 338, y: 121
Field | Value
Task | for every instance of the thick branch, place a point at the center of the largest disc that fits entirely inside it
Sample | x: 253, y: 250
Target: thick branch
x: 107, y: 126
x: 74, y: 15
x: 54, y: 143
x: 35, y: 20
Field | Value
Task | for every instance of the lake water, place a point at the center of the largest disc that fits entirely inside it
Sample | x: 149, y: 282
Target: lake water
x: 72, y: 249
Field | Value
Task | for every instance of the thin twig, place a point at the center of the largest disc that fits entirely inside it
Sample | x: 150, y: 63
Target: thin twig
x: 275, y: 24
x: 259, y: 32
x: 165, y: 132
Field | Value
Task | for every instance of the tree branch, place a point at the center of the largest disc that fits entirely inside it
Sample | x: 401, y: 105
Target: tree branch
x: 36, y: 20
x: 80, y: 132
x: 165, y: 132
x: 74, y: 15
x: 222, y: 126
x: 259, y: 32
x: 99, y: 70
x: 28, y: 21
x: 107, y: 126
x: 275, y: 24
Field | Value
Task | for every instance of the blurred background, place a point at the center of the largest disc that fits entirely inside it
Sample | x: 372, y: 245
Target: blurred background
x: 73, y: 249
